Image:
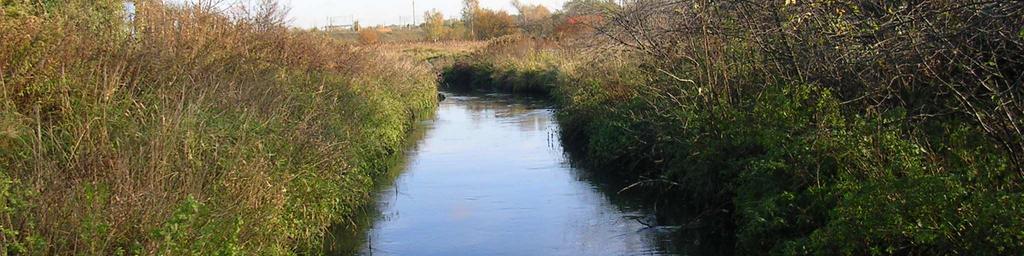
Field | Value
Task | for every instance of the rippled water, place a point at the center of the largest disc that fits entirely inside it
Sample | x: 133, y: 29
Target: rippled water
x: 490, y: 178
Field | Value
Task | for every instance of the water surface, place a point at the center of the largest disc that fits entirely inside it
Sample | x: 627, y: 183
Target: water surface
x: 490, y: 178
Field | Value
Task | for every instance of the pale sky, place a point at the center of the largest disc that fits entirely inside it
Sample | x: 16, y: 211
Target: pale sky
x: 313, y: 13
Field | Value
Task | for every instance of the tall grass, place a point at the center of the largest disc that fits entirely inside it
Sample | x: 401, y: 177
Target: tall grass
x: 509, y: 64
x: 188, y: 129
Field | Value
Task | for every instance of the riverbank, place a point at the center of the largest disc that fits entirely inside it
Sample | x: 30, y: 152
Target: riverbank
x: 781, y: 165
x: 184, y: 131
x: 488, y: 174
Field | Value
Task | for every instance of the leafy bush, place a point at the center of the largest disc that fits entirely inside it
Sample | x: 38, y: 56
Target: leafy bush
x: 798, y: 127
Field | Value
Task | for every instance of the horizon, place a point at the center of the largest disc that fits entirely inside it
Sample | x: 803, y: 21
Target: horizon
x: 320, y: 13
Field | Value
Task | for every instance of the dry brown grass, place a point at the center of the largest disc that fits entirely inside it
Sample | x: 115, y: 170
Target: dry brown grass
x: 454, y: 47
x: 188, y: 130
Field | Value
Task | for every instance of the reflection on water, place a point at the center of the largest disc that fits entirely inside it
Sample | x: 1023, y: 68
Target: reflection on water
x: 490, y: 178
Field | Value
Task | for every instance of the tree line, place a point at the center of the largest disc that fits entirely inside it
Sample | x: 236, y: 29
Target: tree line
x: 478, y: 23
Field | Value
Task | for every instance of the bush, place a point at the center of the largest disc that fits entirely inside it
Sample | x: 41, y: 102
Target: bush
x: 798, y: 128
x: 369, y: 36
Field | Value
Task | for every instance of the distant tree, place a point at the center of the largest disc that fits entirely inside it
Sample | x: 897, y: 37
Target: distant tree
x: 433, y: 24
x: 470, y: 10
x: 582, y: 17
x: 355, y: 26
x: 491, y: 24
x: 578, y: 25
x: 457, y: 30
x: 533, y: 19
x: 588, y: 7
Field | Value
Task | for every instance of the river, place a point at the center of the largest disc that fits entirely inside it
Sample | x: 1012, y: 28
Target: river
x: 489, y: 177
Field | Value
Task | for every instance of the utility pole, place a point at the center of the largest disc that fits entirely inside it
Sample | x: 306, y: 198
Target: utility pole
x: 413, y: 13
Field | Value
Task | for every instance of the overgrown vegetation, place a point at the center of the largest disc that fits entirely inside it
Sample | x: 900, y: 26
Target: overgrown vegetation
x: 188, y: 130
x: 508, y: 64
x: 797, y: 127
x: 801, y: 127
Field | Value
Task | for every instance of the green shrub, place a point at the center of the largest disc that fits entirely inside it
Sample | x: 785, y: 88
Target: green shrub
x: 784, y: 166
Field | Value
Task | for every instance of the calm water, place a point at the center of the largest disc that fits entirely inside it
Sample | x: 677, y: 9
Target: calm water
x: 489, y: 177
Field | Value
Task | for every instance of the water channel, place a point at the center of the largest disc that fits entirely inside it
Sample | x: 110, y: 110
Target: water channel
x: 489, y: 177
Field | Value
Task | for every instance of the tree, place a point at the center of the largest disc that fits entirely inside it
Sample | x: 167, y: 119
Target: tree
x: 588, y: 7
x: 491, y: 24
x: 457, y: 30
x: 581, y: 17
x: 470, y: 10
x: 574, y: 26
x: 533, y: 19
x: 433, y: 24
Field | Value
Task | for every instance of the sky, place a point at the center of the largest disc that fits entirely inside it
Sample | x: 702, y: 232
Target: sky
x: 316, y: 13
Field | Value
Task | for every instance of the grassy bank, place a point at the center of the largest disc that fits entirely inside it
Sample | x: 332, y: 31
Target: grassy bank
x: 509, y: 64
x: 791, y: 143
x: 189, y: 130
